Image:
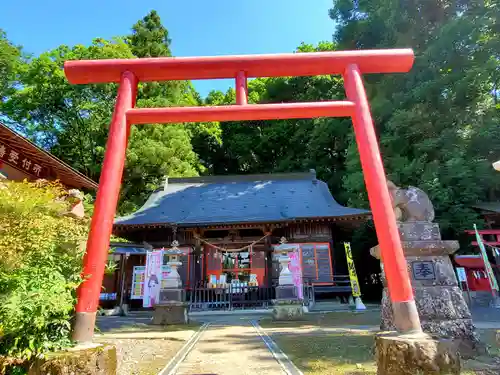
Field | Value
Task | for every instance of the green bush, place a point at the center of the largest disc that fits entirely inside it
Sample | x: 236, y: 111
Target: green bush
x: 40, y: 264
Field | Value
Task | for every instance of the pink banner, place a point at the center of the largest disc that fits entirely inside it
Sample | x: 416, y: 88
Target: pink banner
x: 152, y: 282
x: 296, y: 270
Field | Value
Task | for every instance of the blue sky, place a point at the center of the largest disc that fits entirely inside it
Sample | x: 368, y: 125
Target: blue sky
x: 196, y: 27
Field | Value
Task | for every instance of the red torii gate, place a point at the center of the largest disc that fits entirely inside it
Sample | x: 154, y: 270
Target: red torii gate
x: 129, y: 72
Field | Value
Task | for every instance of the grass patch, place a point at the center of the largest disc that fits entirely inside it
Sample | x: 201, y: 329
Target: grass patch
x: 335, y: 353
x: 331, y: 319
x: 330, y: 354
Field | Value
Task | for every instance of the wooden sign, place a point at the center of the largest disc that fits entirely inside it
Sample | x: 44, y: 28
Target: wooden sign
x: 462, y: 276
x: 20, y: 161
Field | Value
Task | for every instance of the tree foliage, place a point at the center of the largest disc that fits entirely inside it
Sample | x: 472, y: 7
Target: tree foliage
x: 72, y: 121
x: 431, y: 120
x: 39, y: 269
x: 10, y: 61
x: 437, y: 125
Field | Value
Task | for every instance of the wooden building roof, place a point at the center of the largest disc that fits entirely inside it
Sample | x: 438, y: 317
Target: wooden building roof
x: 219, y: 200
x: 34, y: 162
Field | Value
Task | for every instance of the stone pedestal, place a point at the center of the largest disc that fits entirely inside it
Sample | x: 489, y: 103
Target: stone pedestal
x: 172, y: 294
x: 172, y: 308
x: 171, y: 312
x: 415, y: 354
x: 442, y: 308
x: 286, y: 292
x: 287, y: 310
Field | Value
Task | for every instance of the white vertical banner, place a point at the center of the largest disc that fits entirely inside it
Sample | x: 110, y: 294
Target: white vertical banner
x: 153, y: 276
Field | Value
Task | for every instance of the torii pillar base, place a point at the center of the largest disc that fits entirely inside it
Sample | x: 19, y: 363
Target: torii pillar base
x: 398, y: 354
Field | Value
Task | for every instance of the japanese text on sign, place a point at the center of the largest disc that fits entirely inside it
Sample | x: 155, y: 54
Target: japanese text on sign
x: 20, y: 161
x: 423, y: 270
x: 356, y: 291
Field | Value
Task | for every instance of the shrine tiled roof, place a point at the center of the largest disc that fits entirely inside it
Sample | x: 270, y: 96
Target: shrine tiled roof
x: 216, y: 200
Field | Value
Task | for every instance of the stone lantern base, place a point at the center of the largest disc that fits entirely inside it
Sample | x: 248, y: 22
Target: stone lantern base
x: 170, y: 313
x: 287, y: 310
x: 172, y: 308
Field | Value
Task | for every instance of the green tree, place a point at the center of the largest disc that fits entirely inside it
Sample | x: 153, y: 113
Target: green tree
x: 154, y: 152
x: 72, y: 121
x: 10, y: 62
x: 149, y: 37
x: 432, y: 119
x: 285, y: 145
x: 69, y: 120
x: 40, y: 268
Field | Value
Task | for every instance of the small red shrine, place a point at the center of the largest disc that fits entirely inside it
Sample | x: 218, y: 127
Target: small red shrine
x: 477, y: 279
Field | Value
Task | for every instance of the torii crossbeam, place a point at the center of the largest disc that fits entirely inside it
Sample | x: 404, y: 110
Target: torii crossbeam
x: 129, y: 72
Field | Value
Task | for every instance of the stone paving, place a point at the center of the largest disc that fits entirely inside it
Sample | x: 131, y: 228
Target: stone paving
x: 228, y: 350
x: 232, y: 345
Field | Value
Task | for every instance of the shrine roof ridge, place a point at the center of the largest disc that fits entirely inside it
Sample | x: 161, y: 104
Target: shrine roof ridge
x: 311, y: 175
x: 263, y: 198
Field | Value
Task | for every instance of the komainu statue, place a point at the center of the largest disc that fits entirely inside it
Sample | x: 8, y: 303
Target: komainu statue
x: 410, y: 204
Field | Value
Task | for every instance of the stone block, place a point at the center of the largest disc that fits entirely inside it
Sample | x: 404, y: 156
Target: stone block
x: 415, y: 354
x: 419, y: 231
x: 423, y: 248
x: 172, y: 294
x: 441, y: 303
x: 286, y: 292
x: 443, y: 313
x: 287, y: 310
x: 95, y: 360
x: 168, y: 313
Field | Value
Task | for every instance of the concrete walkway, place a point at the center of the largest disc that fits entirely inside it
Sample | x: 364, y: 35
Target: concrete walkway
x: 228, y: 350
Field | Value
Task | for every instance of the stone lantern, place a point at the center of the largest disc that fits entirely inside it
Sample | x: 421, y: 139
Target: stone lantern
x: 284, y: 249
x: 172, y: 308
x: 287, y: 306
x: 173, y: 280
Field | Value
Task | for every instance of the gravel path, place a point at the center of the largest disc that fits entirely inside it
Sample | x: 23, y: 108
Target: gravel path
x: 229, y: 350
x: 142, y: 349
x: 142, y: 356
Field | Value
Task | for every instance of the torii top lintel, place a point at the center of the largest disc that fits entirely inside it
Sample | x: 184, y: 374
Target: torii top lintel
x: 214, y: 67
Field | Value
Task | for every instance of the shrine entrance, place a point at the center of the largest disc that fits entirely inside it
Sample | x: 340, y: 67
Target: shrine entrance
x: 350, y: 64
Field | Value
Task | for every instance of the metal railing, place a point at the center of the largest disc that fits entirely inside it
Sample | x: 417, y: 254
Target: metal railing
x: 236, y: 297
x: 230, y: 298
